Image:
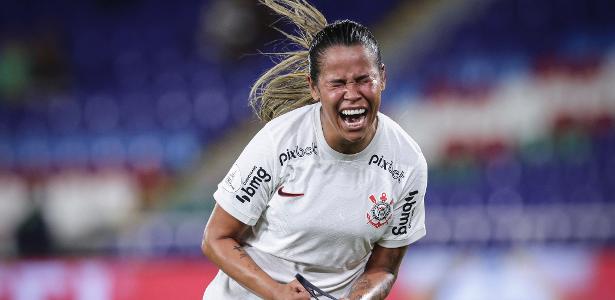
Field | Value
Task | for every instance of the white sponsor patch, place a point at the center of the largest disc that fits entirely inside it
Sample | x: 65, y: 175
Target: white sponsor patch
x: 232, y: 180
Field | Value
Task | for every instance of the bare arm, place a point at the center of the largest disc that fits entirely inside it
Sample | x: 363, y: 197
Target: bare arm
x: 379, y: 275
x: 221, y: 244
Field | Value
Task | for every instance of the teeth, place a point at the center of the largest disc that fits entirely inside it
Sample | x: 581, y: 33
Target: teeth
x: 352, y: 112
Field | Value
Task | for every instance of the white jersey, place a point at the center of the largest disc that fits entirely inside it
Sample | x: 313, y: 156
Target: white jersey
x: 318, y: 212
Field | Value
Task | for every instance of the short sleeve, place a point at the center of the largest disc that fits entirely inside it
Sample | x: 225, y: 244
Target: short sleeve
x: 246, y: 189
x: 408, y: 223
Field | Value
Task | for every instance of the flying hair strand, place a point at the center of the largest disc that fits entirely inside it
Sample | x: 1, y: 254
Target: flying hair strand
x: 284, y: 87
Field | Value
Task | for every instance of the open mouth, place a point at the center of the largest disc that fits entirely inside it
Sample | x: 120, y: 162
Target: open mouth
x: 354, y: 118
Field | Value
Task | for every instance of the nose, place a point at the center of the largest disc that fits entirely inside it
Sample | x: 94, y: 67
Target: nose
x: 352, y: 91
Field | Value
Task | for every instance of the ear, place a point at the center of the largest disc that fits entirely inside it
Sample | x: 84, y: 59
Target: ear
x: 313, y: 88
x: 383, y: 77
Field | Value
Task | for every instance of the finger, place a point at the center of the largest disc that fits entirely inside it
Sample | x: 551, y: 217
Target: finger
x: 304, y: 295
x: 301, y: 291
x: 297, y: 286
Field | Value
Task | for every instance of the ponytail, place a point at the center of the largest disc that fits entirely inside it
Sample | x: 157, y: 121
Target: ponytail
x: 284, y: 87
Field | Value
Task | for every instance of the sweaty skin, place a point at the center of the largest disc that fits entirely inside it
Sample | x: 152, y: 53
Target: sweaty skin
x: 349, y: 80
x: 220, y: 244
x: 380, y: 273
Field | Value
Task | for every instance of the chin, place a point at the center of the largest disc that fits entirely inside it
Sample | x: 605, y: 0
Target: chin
x: 354, y: 137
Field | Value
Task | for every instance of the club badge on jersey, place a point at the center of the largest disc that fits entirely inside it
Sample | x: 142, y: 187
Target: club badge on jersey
x: 380, y: 214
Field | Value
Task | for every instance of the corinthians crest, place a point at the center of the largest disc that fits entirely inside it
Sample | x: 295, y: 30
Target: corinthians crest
x: 380, y: 213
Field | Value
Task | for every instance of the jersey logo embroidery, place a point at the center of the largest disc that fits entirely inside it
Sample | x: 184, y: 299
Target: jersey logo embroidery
x: 380, y: 214
x: 285, y: 194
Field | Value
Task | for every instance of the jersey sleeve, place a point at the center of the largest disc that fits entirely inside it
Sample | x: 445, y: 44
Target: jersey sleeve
x: 408, y: 222
x: 246, y: 189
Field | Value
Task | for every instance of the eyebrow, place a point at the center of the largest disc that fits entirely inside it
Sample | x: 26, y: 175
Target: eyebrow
x: 343, y: 81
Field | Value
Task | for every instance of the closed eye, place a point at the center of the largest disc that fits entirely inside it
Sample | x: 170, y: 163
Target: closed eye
x: 337, y: 83
x: 364, y: 79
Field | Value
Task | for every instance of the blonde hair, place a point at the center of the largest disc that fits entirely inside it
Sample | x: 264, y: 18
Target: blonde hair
x: 284, y: 87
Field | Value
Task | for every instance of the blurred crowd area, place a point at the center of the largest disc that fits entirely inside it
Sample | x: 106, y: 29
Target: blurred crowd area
x: 119, y: 118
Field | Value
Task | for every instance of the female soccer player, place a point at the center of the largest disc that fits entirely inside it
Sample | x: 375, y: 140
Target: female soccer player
x: 330, y: 188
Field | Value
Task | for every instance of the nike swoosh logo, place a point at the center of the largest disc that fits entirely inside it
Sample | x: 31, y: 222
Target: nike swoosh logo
x: 285, y: 194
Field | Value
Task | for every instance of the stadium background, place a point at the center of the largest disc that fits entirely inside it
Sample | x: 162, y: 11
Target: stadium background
x: 118, y: 118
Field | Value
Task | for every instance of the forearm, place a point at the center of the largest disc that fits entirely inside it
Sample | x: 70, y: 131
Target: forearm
x: 373, y: 285
x: 231, y: 258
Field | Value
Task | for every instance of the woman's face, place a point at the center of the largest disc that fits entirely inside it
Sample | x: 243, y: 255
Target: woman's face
x: 349, y: 87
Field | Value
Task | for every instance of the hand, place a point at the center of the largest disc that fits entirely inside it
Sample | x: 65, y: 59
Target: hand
x: 290, y: 291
